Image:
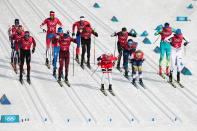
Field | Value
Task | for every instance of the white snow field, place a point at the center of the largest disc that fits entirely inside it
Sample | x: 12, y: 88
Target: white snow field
x: 45, y: 106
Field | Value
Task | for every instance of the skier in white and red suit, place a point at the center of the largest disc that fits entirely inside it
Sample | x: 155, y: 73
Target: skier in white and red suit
x: 106, y: 61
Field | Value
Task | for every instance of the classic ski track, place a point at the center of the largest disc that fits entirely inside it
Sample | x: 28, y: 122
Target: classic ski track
x: 87, y: 71
x: 103, y: 45
x: 74, y: 92
x: 43, y: 108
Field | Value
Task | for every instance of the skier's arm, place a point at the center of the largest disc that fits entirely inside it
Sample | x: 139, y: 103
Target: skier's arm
x: 115, y: 34
x: 73, y: 27
x: 34, y: 43
x: 158, y: 32
x: 95, y: 33
x: 44, y: 22
x: 59, y: 22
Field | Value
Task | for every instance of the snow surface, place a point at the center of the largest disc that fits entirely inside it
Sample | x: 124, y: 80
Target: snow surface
x: 83, y: 107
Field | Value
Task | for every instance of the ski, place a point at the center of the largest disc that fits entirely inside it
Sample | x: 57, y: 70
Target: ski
x: 171, y: 83
x: 15, y: 70
x: 21, y: 81
x: 111, y: 92
x: 182, y: 86
x: 29, y: 82
x: 142, y: 84
x: 82, y: 66
x: 89, y: 66
x: 104, y: 92
x: 48, y: 66
x: 60, y: 83
x: 77, y: 60
x: 67, y: 83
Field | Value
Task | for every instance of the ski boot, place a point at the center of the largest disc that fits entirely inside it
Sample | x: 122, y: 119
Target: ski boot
x: 141, y: 82
x: 110, y: 87
x: 54, y: 72
x: 126, y: 73
x: 28, y: 79
x: 118, y: 66
x: 160, y: 70
x: 88, y: 65
x: 167, y: 70
x: 77, y: 58
x: 47, y: 63
x: 66, y: 81
x: 59, y: 80
x: 134, y: 81
x: 21, y: 78
x: 178, y: 77
x: 170, y: 77
x: 102, y: 87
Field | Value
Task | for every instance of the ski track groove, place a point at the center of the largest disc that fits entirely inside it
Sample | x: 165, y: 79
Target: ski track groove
x: 105, y: 46
x: 82, y: 103
x: 12, y: 9
x: 89, y: 73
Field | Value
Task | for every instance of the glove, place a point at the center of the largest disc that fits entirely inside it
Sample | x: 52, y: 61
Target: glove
x: 73, y: 34
x: 143, y: 60
x: 185, y: 44
x: 131, y: 61
x: 43, y: 30
x: 114, y: 63
x: 112, y: 35
x: 33, y: 50
x: 96, y: 34
x: 99, y: 63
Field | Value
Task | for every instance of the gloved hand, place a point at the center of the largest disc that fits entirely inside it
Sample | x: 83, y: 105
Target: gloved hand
x: 99, y: 63
x: 43, y: 30
x: 185, y: 43
x: 114, y: 63
x: 73, y: 34
x: 114, y: 34
x: 96, y: 34
x: 33, y: 50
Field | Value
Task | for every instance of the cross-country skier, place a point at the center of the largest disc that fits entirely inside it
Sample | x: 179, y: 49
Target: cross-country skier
x: 106, y: 61
x: 166, y: 32
x: 176, y: 50
x: 25, y: 53
x: 51, y: 23
x: 64, y: 55
x: 128, y: 50
x: 81, y: 24
x: 56, y: 48
x: 16, y: 39
x: 86, y: 43
x: 137, y: 60
x: 122, y: 40
x: 11, y: 32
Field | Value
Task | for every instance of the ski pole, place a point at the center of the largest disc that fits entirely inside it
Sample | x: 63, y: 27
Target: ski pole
x: 95, y: 71
x: 73, y: 59
x: 94, y: 50
x: 115, y: 46
x: 156, y: 39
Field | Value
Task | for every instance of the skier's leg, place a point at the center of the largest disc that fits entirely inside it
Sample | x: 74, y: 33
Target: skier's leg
x: 168, y: 51
x: 67, y: 61
x: 125, y: 61
x: 162, y: 53
x: 140, y: 70
x: 179, y: 60
x: 22, y: 56
x: 134, y: 72
x: 172, y: 62
x: 88, y: 50
x: 83, y: 45
x: 110, y: 80
x: 61, y: 63
x: 102, y: 79
x: 28, y: 60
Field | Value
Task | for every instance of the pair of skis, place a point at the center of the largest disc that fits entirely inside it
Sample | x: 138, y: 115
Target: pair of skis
x: 165, y: 77
x: 105, y: 92
x: 61, y: 84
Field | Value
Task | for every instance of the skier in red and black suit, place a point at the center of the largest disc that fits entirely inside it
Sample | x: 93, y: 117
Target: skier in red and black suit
x: 51, y: 23
x: 16, y: 39
x: 11, y: 32
x: 25, y: 52
x: 86, y: 43
x: 106, y: 61
x: 128, y: 50
x: 80, y: 26
x: 122, y: 40
x: 64, y: 55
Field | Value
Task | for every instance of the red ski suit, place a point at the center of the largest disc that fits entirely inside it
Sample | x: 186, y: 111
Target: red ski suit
x: 64, y: 55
